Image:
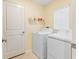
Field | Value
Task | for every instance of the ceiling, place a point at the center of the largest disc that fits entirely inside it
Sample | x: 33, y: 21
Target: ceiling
x: 43, y: 2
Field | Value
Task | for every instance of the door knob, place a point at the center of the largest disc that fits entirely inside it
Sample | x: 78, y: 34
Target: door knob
x: 23, y: 32
x: 4, y: 40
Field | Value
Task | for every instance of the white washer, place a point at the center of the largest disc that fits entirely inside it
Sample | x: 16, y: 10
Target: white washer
x: 39, y: 43
x: 59, y: 46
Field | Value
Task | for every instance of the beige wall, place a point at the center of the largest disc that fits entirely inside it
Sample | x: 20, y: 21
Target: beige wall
x: 52, y: 7
x: 59, y: 4
x: 34, y: 11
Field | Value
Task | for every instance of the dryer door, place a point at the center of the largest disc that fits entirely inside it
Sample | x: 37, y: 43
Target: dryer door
x: 58, y: 49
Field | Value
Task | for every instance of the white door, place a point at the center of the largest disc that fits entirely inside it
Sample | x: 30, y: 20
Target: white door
x: 15, y: 30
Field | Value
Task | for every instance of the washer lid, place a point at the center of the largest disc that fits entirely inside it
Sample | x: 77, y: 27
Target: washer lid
x: 44, y: 32
x: 61, y: 36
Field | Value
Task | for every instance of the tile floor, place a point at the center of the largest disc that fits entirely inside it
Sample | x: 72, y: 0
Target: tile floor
x: 27, y: 55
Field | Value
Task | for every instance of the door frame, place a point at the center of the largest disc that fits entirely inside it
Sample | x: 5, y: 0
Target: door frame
x: 4, y: 1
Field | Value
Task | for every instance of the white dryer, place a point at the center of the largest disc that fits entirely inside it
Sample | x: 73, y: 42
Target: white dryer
x: 39, y: 43
x: 59, y: 46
